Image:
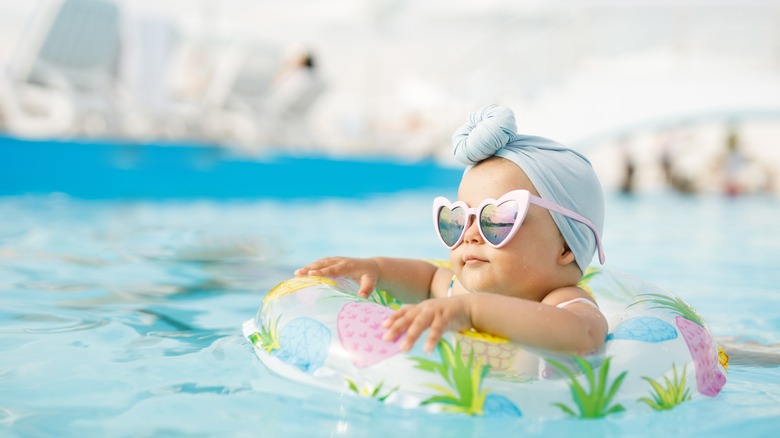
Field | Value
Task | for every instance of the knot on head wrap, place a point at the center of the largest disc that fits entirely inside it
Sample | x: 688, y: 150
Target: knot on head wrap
x: 485, y: 132
x: 560, y: 174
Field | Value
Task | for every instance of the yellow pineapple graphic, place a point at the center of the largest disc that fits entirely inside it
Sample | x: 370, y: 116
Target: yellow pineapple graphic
x: 488, y: 349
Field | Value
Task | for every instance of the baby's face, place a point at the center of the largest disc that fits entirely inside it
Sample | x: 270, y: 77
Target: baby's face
x: 527, y: 266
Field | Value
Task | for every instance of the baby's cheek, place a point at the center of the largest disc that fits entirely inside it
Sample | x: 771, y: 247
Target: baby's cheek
x: 456, y: 263
x: 453, y: 257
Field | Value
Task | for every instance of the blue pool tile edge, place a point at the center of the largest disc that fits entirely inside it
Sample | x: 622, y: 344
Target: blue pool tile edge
x: 106, y: 169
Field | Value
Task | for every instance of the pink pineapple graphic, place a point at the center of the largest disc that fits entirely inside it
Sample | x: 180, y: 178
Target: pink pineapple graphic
x: 709, y: 378
x: 360, y: 332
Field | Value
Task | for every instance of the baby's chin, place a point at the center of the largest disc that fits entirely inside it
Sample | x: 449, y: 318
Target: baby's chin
x: 477, y: 277
x: 474, y: 282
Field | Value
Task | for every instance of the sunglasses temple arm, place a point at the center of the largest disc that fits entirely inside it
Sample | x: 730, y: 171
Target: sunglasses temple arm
x: 602, y: 259
x: 566, y: 212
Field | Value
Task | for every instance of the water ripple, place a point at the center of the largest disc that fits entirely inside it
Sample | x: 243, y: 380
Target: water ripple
x: 42, y: 323
x: 8, y: 417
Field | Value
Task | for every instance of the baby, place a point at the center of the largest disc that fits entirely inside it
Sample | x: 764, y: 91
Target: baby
x: 526, y: 224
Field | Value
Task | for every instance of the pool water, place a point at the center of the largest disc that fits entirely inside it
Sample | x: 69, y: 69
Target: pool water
x: 123, y: 318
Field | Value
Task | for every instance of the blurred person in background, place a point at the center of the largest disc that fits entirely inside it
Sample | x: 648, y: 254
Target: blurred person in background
x: 628, y: 175
x: 735, y: 172
x: 296, y: 85
x: 290, y: 95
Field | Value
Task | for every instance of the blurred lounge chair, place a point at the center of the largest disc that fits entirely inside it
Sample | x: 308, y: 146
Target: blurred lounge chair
x: 149, y: 105
x: 235, y: 91
x: 63, y: 79
x: 35, y: 111
x: 258, y: 99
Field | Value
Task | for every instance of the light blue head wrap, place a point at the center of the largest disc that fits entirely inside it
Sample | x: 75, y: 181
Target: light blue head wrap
x: 560, y: 174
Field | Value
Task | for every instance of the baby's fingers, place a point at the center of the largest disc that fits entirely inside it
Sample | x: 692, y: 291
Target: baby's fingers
x: 304, y: 270
x: 396, y: 325
x: 435, y: 333
x: 318, y: 267
x: 409, y: 321
x: 421, y: 322
x: 395, y: 316
x: 366, y: 286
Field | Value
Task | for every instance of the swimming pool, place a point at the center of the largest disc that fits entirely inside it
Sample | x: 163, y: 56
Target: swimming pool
x: 123, y: 316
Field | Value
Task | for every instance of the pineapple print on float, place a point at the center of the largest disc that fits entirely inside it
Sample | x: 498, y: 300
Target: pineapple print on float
x: 494, y: 351
x: 360, y: 333
x: 317, y: 331
x: 706, y: 356
x: 303, y: 343
x: 463, y: 376
x: 644, y: 328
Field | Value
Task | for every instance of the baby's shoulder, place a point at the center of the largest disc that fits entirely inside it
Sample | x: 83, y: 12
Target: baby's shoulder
x: 567, y: 295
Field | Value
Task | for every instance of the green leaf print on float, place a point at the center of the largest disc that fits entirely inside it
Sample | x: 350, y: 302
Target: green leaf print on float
x: 594, y: 403
x: 372, y: 392
x: 268, y: 337
x: 665, y: 398
x: 463, y: 393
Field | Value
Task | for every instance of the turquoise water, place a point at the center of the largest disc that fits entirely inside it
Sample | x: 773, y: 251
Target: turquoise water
x: 123, y: 318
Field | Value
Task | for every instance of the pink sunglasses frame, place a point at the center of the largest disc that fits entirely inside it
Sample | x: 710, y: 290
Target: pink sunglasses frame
x: 524, y: 199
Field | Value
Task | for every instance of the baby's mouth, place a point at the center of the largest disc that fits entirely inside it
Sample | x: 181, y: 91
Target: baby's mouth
x: 470, y: 259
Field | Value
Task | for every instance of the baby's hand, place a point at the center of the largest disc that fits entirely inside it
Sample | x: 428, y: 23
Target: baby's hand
x: 438, y: 314
x: 364, y: 271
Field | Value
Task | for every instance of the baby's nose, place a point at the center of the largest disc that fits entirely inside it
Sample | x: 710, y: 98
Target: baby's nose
x: 471, y: 234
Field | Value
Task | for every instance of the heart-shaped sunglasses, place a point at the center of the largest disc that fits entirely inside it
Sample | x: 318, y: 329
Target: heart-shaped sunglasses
x: 499, y: 219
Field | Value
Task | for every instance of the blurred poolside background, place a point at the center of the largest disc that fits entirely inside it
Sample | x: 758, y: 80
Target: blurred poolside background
x: 647, y: 89
x: 280, y: 131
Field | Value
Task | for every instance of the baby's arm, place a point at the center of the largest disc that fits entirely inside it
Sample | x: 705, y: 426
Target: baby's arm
x: 577, y: 328
x: 409, y: 280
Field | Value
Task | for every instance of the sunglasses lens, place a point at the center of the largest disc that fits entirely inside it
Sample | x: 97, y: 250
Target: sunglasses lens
x: 451, y: 224
x: 497, y: 221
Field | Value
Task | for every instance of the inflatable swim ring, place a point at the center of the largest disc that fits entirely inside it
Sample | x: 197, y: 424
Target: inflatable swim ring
x: 658, y: 354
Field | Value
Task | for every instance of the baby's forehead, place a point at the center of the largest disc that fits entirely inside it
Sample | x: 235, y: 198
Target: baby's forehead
x: 492, y: 178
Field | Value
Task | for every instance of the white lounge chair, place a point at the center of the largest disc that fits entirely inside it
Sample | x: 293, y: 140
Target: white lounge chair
x: 149, y: 105
x: 68, y: 57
